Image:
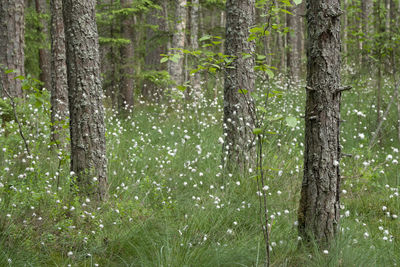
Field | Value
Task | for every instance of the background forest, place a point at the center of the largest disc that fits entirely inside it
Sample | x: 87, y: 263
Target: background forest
x: 166, y: 196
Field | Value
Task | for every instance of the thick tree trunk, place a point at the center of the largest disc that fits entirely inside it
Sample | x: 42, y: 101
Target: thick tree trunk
x: 238, y: 148
x: 59, y: 83
x: 44, y: 55
x: 127, y: 82
x: 87, y: 127
x: 319, y: 204
x: 12, y: 42
x: 178, y: 41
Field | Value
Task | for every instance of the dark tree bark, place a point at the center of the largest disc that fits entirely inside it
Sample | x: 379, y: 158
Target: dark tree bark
x: 87, y: 127
x: 238, y: 149
x: 127, y: 82
x: 318, y: 213
x: 59, y: 84
x: 12, y: 42
x: 44, y: 54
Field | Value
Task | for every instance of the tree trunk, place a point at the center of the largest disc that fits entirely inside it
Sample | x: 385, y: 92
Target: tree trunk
x: 318, y: 213
x: 127, y: 82
x: 87, y: 127
x: 59, y: 83
x: 44, y: 55
x: 291, y: 51
x: 178, y: 41
x: 12, y: 42
x: 366, y: 9
x: 194, y: 34
x: 156, y: 44
x: 238, y: 148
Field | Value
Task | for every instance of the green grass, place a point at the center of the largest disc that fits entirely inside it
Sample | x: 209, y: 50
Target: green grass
x: 171, y: 204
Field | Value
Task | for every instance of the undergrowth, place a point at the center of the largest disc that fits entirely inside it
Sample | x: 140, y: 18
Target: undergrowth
x: 171, y: 204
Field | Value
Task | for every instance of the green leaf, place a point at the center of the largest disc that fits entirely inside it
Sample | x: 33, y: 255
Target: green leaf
x: 257, y: 131
x: 204, y: 38
x: 242, y: 91
x: 297, y: 2
x: 269, y: 73
x: 164, y: 59
x: 291, y: 121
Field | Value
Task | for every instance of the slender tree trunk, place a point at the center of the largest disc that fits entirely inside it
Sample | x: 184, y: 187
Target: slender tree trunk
x: 12, y: 42
x: 156, y: 44
x: 238, y: 148
x: 366, y: 7
x: 345, y: 26
x: 291, y: 51
x: 127, y: 82
x: 87, y: 127
x: 59, y: 83
x: 178, y: 41
x: 318, y: 213
x: 194, y: 35
x: 44, y: 55
x: 300, y: 36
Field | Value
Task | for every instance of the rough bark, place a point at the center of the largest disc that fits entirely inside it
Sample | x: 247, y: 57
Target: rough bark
x: 238, y: 149
x: 127, y: 82
x: 87, y: 127
x: 59, y: 83
x: 178, y: 41
x: 12, y: 41
x: 44, y: 53
x: 318, y: 213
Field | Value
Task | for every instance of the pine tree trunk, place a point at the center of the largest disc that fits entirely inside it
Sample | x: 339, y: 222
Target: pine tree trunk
x: 194, y: 33
x: 178, y: 41
x: 12, y: 42
x: 44, y: 55
x: 238, y: 149
x: 59, y: 83
x: 156, y: 44
x: 366, y: 7
x: 87, y: 127
x: 127, y: 82
x: 291, y: 46
x: 318, y: 213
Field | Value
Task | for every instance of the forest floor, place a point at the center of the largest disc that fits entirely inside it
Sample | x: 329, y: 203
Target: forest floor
x: 171, y: 204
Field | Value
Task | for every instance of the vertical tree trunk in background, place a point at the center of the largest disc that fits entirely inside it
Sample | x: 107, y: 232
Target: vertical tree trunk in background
x: 380, y: 28
x: 238, y: 149
x: 87, y: 127
x: 194, y: 35
x: 291, y: 49
x: 366, y: 9
x: 59, y: 84
x: 44, y: 55
x: 156, y: 44
x: 127, y: 82
x: 178, y: 41
x: 12, y: 41
x: 318, y: 213
x: 300, y: 35
x: 345, y: 25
